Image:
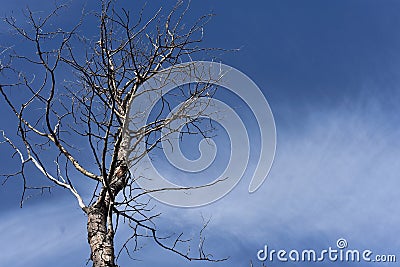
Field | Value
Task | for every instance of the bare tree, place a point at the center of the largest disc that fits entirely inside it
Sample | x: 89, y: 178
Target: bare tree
x: 71, y: 94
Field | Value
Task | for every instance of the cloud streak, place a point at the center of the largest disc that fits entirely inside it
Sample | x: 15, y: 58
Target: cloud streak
x: 52, y: 232
x: 334, y: 178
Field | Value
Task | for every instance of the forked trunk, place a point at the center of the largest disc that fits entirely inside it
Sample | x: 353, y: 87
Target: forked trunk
x: 100, y: 227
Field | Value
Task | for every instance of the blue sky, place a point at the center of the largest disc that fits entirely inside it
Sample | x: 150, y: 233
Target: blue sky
x: 330, y: 72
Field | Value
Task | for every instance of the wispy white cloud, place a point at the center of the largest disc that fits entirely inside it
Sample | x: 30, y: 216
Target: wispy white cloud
x: 42, y: 235
x: 337, y: 177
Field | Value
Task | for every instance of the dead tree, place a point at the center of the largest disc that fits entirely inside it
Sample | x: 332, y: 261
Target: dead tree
x: 70, y: 94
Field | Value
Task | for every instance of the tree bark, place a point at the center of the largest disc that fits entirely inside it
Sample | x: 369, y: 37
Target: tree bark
x: 100, y: 237
x: 100, y: 226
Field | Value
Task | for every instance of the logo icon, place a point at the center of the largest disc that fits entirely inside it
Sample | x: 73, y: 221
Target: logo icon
x: 153, y: 90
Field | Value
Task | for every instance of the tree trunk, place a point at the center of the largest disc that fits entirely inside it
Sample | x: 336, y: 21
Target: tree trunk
x: 100, y: 226
x: 100, y: 238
